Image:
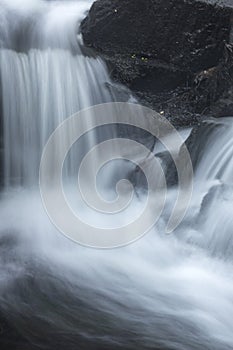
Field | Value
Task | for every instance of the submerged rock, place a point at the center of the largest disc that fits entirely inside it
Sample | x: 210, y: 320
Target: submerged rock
x: 168, y: 52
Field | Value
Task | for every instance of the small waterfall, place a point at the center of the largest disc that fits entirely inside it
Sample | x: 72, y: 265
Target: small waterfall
x: 216, y: 162
x: 213, y: 190
x: 40, y: 89
x: 43, y: 86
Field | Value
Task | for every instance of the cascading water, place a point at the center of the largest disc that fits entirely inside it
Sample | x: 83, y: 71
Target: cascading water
x: 42, y: 87
x: 162, y: 292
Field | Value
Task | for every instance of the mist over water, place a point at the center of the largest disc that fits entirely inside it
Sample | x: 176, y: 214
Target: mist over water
x: 162, y: 292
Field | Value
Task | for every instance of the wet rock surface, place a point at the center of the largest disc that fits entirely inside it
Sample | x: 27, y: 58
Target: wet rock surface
x: 175, y: 55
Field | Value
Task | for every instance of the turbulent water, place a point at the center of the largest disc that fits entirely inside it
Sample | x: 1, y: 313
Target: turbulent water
x: 162, y: 292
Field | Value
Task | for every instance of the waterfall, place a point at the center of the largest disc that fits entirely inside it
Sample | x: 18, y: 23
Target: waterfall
x: 40, y: 89
x: 43, y: 86
x: 162, y: 292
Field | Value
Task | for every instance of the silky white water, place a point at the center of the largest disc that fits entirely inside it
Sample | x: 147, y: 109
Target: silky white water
x: 41, y: 88
x: 162, y: 292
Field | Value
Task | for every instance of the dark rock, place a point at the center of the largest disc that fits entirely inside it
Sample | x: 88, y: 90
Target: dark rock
x: 188, y: 34
x: 168, y: 52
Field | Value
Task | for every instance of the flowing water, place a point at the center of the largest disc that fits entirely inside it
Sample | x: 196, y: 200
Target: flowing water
x: 162, y: 292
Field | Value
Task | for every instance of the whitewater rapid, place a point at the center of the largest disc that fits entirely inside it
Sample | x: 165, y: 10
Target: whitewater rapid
x: 162, y: 292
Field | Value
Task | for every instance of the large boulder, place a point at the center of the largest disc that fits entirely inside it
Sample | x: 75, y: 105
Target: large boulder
x: 163, y: 48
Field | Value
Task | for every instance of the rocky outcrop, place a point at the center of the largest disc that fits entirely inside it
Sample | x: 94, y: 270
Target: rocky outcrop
x: 175, y: 55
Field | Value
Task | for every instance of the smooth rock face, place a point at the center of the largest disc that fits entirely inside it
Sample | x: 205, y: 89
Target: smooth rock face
x: 158, y: 46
